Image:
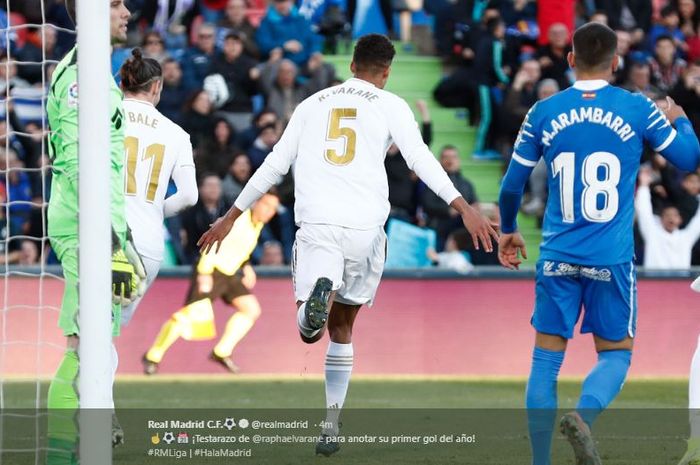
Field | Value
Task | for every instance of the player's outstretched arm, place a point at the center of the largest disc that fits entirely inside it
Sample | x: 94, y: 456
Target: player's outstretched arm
x: 218, y: 231
x: 681, y: 147
x: 480, y: 228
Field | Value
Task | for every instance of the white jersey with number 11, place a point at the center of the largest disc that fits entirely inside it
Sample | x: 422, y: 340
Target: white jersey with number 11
x: 155, y: 150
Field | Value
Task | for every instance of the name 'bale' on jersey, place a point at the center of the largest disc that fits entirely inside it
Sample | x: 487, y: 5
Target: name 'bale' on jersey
x: 591, y: 137
x: 154, y: 147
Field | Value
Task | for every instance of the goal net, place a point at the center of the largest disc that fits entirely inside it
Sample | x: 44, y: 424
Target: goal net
x: 34, y: 36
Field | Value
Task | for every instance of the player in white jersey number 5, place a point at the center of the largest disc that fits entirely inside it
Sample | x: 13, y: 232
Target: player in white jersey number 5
x: 155, y: 150
x: 337, y: 140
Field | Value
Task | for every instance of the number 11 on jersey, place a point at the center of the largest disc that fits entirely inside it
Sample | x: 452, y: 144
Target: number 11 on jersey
x: 156, y: 152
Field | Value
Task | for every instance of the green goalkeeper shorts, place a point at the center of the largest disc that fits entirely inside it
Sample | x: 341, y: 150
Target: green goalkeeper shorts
x: 66, y: 248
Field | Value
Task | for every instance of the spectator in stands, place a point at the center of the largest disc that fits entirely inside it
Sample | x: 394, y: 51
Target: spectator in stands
x: 174, y: 91
x: 599, y: 16
x: 9, y: 77
x: 272, y: 254
x: 241, y: 75
x: 197, y: 119
x: 215, y: 153
x: 667, y: 26
x: 441, y: 217
x: 405, y: 9
x: 238, y: 174
x: 212, y: 10
x: 630, y: 15
x: 37, y: 48
x: 665, y: 245
x: 169, y: 17
x: 451, y: 258
x: 684, y: 194
x: 28, y: 253
x: 520, y: 97
x: 245, y: 138
x: 283, y: 91
x: 666, y: 67
x: 689, y: 16
x: 284, y: 30
x: 328, y: 20
x: 403, y: 183
x: 154, y: 47
x: 236, y: 20
x: 686, y: 93
x: 552, y: 57
x: 263, y: 144
x: 639, y: 80
x: 196, y: 220
x: 624, y: 44
x: 18, y: 189
x: 198, y: 59
x: 489, y: 72
x: 8, y: 34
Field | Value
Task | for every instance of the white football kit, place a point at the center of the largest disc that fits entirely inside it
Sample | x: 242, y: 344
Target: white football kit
x: 155, y: 150
x: 336, y: 142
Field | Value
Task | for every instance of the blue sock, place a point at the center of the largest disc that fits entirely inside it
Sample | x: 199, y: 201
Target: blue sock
x: 603, y: 383
x: 541, y: 402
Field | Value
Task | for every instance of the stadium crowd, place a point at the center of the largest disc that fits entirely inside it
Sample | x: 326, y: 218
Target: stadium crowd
x: 234, y: 70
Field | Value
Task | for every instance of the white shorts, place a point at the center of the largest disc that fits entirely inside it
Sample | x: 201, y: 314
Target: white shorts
x: 152, y: 268
x: 352, y: 259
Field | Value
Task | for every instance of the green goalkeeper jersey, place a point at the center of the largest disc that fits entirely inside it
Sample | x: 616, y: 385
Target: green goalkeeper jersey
x: 62, y: 110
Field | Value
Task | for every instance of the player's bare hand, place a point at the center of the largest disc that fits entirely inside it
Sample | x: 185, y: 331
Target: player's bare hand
x: 481, y: 228
x: 215, y: 235
x: 672, y: 110
x: 205, y: 283
x: 511, y: 250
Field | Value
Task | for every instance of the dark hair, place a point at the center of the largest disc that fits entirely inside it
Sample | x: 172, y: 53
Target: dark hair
x: 446, y: 147
x: 669, y: 10
x: 595, y: 45
x: 70, y: 8
x: 665, y: 37
x: 264, y: 111
x: 373, y: 53
x: 150, y: 34
x: 493, y: 23
x: 138, y: 73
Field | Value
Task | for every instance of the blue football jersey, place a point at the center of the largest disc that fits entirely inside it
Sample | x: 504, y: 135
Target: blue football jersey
x: 591, y: 136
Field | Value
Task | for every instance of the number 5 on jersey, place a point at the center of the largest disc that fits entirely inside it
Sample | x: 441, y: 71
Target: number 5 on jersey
x: 156, y: 153
x: 336, y: 131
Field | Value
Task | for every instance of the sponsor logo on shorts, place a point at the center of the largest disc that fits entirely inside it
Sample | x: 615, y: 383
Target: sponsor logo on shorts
x: 566, y: 269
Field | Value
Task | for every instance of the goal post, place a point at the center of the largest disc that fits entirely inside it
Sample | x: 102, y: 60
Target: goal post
x: 95, y: 350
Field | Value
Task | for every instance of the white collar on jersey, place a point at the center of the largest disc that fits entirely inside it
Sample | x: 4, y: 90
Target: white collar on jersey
x: 367, y: 83
x: 590, y: 84
x: 138, y: 101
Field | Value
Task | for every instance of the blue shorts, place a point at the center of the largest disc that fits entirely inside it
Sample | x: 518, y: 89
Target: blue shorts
x: 608, y: 293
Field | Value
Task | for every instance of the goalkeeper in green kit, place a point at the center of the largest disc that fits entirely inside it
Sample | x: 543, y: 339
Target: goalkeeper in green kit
x: 127, y: 269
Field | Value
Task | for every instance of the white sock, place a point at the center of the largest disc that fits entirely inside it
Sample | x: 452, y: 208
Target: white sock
x: 303, y: 325
x: 115, y: 364
x: 339, y: 359
x: 694, y: 394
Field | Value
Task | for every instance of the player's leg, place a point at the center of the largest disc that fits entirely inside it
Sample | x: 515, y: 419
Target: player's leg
x: 692, y: 456
x: 610, y: 300
x: 557, y: 307
x: 317, y: 271
x: 62, y: 399
x: 248, y: 311
x: 195, y: 321
x: 365, y: 252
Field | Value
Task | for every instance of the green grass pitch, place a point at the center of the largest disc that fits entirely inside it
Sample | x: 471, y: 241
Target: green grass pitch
x: 647, y: 424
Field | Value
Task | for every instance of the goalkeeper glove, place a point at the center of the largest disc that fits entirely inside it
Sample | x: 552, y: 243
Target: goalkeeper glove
x: 135, y: 259
x: 125, y: 281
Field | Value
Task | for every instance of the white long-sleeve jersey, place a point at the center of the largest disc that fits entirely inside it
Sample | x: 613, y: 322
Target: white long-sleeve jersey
x: 663, y: 249
x: 155, y: 150
x: 336, y: 142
